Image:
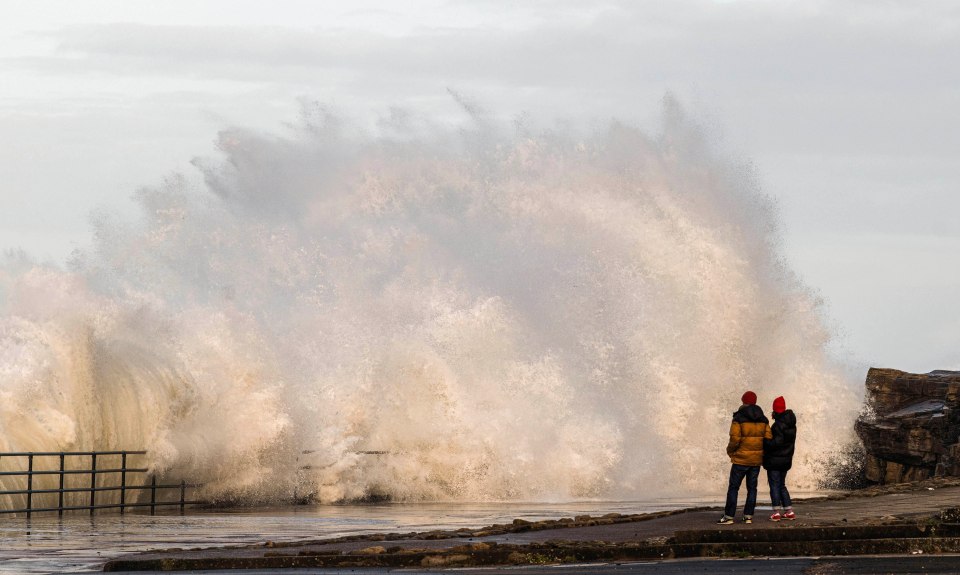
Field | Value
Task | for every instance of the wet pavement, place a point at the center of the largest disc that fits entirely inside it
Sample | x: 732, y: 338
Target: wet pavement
x: 896, y: 505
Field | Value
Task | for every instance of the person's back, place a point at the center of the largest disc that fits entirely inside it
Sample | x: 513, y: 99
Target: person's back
x: 778, y: 458
x: 747, y: 431
x: 778, y: 451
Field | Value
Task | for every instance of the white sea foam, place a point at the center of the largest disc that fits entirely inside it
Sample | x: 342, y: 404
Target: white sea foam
x: 529, y: 316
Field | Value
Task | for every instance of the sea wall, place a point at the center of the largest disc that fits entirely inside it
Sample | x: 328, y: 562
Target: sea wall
x: 911, y: 425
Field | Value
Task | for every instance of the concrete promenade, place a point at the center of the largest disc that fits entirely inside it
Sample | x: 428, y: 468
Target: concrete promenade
x: 906, y: 519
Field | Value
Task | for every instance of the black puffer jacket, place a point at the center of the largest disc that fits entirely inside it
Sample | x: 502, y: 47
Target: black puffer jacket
x: 778, y: 452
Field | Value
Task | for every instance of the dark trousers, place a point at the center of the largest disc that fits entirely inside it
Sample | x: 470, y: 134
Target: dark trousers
x: 778, y: 488
x: 737, y: 473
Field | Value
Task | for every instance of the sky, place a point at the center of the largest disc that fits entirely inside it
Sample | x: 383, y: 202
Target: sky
x: 849, y: 110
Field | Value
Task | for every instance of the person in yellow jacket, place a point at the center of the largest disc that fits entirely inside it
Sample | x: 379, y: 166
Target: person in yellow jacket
x: 747, y: 431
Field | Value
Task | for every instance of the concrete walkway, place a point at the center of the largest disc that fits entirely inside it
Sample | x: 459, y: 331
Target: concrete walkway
x: 897, y: 505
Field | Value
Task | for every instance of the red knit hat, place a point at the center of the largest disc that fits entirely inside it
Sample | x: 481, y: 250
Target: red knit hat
x: 749, y: 398
x: 779, y: 405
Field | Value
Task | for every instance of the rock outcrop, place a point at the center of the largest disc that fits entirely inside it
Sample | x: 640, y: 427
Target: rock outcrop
x: 911, y: 427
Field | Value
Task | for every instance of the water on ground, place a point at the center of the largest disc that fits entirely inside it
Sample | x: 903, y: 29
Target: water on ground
x: 79, y: 542
x: 50, y: 544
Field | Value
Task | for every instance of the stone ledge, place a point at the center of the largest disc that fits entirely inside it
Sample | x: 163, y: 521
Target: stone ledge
x: 780, y: 544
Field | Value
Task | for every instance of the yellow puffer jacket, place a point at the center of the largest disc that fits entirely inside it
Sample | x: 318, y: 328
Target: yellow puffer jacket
x: 747, y: 432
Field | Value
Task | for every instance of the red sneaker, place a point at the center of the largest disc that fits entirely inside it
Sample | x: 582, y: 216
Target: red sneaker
x: 775, y: 516
x: 790, y: 515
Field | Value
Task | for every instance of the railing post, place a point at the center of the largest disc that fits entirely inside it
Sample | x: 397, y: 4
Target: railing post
x: 29, y: 484
x: 153, y: 495
x: 60, y: 498
x: 64, y: 503
x: 93, y: 481
x: 123, y: 481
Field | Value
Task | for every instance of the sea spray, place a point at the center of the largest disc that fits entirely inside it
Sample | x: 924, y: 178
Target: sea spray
x: 427, y: 314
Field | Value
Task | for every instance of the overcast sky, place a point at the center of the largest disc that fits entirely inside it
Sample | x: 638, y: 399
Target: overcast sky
x: 850, y: 111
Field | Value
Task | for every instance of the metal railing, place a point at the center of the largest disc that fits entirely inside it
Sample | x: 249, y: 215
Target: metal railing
x: 63, y: 471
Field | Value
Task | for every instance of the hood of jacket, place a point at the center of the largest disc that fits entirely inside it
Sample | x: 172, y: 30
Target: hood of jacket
x: 786, y: 418
x: 751, y: 414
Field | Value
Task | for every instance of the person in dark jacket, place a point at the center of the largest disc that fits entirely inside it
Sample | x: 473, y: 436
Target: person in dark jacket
x: 778, y: 458
x: 748, y: 430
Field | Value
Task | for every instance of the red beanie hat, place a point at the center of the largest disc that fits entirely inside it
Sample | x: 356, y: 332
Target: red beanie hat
x: 779, y: 405
x: 749, y: 398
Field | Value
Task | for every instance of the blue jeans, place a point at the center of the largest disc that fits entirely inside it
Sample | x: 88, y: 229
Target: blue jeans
x: 778, y: 488
x: 737, y: 473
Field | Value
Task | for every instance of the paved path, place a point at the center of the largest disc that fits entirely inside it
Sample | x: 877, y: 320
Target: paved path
x: 919, y: 504
x: 904, y: 503
x: 940, y: 564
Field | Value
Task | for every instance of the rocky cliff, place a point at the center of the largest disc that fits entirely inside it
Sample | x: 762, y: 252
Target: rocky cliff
x: 911, y: 427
